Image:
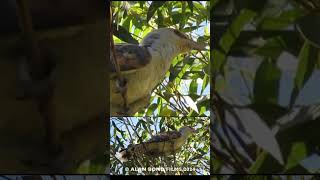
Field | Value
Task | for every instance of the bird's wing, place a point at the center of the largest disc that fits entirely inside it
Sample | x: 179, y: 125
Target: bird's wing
x: 165, y: 136
x: 159, y: 144
x: 130, y: 57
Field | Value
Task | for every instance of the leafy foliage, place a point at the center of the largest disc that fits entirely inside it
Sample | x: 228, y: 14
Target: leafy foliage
x: 185, y: 89
x: 258, y: 123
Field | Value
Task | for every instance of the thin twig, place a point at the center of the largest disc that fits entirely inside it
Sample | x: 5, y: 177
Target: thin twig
x: 121, y: 80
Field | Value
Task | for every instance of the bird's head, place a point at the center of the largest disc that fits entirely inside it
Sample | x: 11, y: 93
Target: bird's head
x: 175, y: 37
x: 187, y: 130
x: 184, y: 43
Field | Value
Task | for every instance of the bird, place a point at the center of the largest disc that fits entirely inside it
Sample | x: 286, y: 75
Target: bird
x: 161, y: 144
x: 145, y: 65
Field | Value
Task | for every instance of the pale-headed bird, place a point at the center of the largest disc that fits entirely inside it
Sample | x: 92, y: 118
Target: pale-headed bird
x: 164, y: 143
x: 145, y: 65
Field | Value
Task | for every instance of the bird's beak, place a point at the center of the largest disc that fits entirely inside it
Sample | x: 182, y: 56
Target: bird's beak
x: 197, y: 45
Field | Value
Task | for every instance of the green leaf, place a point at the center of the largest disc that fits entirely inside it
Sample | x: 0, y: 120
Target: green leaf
x: 205, y: 83
x: 272, y: 48
x: 233, y: 32
x: 219, y: 59
x: 127, y: 23
x: 286, y: 19
x: 151, y: 109
x: 161, y: 123
x: 266, y: 83
x: 166, y: 112
x: 155, y: 5
x: 123, y: 34
x: 298, y: 153
x: 190, y: 4
x: 144, y: 124
x: 117, y: 129
x: 229, y: 37
x: 119, y: 141
x: 193, y: 87
x: 258, y: 163
x: 182, y: 71
x: 305, y: 66
x: 265, y: 163
x: 160, y: 18
x: 307, y: 62
x: 176, y: 17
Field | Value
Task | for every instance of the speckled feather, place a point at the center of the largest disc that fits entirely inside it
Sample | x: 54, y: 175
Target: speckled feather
x: 165, y: 136
x: 130, y: 57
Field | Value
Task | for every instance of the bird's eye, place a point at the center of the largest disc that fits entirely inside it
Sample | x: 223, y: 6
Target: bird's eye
x: 180, y: 34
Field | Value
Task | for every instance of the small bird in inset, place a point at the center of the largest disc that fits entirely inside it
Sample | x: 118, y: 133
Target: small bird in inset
x: 165, y: 143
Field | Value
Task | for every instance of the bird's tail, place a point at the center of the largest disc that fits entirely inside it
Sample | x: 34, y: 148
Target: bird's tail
x: 124, y: 155
x: 132, y: 150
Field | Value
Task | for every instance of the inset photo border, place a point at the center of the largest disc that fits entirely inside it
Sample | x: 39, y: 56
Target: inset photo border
x: 159, y: 146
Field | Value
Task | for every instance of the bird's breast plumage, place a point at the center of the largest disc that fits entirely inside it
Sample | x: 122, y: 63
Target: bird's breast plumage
x: 143, y: 80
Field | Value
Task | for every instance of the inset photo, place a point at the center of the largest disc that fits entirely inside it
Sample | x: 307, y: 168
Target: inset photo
x: 159, y: 146
x: 160, y: 56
